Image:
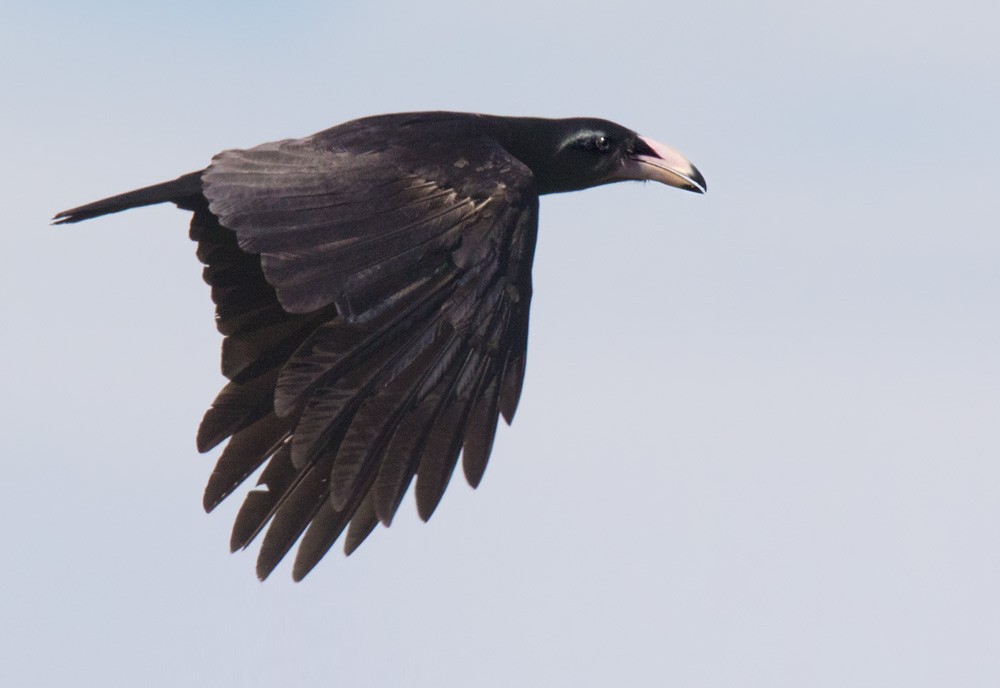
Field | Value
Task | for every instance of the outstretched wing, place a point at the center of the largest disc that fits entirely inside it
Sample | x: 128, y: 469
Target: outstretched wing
x: 376, y: 314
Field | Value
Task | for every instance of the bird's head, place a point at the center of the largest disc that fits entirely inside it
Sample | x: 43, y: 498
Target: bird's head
x: 580, y: 153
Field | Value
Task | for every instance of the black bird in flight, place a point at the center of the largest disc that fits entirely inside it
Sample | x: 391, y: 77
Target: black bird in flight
x: 372, y: 283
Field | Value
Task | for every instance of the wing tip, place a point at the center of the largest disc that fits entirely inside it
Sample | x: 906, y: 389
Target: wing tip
x: 473, y: 475
x: 300, y: 571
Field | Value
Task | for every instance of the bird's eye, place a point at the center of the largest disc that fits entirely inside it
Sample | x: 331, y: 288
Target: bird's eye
x: 592, y: 142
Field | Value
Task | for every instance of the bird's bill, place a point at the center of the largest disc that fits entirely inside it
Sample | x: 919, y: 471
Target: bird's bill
x: 659, y: 163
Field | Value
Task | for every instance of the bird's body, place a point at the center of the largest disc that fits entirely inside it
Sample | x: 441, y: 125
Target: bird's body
x: 372, y: 283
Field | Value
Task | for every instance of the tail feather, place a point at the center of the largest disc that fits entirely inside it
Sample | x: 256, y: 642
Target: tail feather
x: 181, y: 191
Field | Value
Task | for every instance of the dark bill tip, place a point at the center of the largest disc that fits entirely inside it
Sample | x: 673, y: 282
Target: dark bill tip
x: 699, y: 185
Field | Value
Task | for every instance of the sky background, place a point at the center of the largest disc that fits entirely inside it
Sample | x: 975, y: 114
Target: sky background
x: 759, y: 438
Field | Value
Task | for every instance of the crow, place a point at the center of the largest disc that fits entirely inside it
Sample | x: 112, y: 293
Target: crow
x: 372, y: 284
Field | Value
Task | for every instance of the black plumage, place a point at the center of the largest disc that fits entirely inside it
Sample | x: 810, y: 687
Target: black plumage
x: 372, y: 283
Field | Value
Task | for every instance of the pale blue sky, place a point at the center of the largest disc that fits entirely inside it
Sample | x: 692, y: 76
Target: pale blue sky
x: 759, y: 438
